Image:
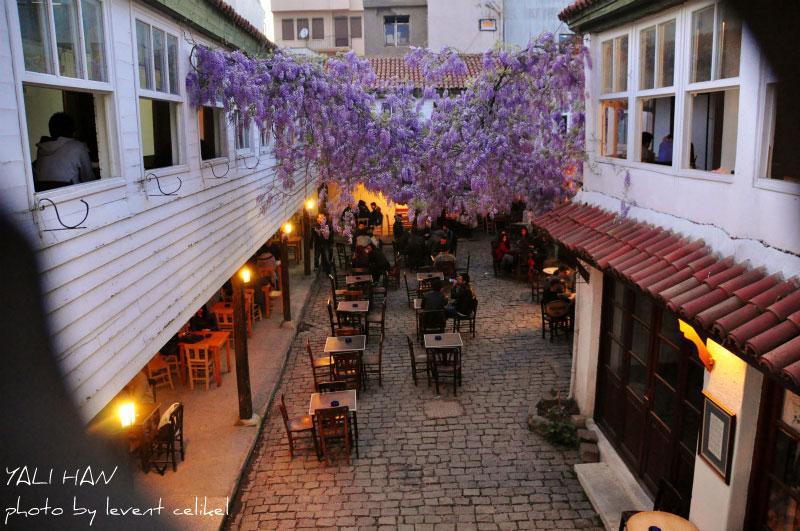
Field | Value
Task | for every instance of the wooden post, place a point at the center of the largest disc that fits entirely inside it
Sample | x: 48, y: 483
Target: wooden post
x: 306, y: 243
x: 287, y: 306
x: 240, y: 349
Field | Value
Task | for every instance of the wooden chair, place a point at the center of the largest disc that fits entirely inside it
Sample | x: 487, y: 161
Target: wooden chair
x: 537, y: 285
x: 445, y: 363
x: 174, y: 362
x: 159, y: 372
x: 332, y: 427
x: 447, y: 268
x: 411, y: 294
x: 555, y: 317
x: 337, y: 329
x: 347, y: 368
x: 431, y: 322
x: 417, y: 359
x: 302, y: 425
x: 319, y: 366
x: 200, y: 363
x: 378, y: 317
x: 461, y: 270
x: 342, y: 255
x: 458, y: 317
x: 254, y: 307
x: 373, y: 363
x: 668, y: 499
x: 331, y: 387
x: 169, y: 436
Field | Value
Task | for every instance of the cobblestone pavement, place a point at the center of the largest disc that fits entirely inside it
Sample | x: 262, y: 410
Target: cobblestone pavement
x: 482, y: 469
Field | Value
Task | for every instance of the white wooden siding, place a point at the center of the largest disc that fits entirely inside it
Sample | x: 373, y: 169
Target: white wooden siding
x: 116, y: 291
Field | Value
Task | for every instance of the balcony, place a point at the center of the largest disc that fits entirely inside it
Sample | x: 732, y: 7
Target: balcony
x: 280, y: 6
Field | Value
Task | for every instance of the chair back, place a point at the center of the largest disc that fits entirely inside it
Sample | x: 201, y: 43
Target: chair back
x: 432, y: 321
x: 411, y: 353
x: 347, y: 367
x: 284, y: 413
x: 445, y: 358
x: 331, y: 387
x: 330, y: 317
x: 333, y: 422
x: 197, y: 354
x: 448, y: 268
x: 556, y: 309
x: 224, y: 320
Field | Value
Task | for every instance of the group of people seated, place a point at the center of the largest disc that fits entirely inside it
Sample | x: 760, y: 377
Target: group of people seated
x: 432, y: 244
x: 560, y: 286
x: 461, y: 300
x: 526, y: 250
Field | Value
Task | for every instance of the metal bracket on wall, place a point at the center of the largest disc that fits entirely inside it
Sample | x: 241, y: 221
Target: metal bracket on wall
x: 152, y: 176
x: 254, y: 166
x: 40, y: 206
x: 214, y: 173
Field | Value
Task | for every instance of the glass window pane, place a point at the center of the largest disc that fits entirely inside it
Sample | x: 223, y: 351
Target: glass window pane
x: 694, y: 382
x: 640, y: 344
x: 614, y: 132
x: 647, y: 58
x: 618, y: 322
x: 159, y: 58
x: 669, y: 328
x: 402, y: 34
x: 388, y: 33
x: 615, y: 358
x: 143, y: 47
x: 34, y: 26
x: 664, y: 403
x: 287, y: 29
x: 158, y: 128
x: 714, y: 124
x: 65, y: 16
x: 621, y: 64
x: 643, y: 308
x: 702, y: 42
x: 93, y: 39
x: 212, y: 132
x: 782, y: 157
x: 666, y: 56
x: 729, y: 42
x: 607, y: 68
x: 242, y: 132
x: 690, y: 426
x: 172, y: 63
x: 668, y: 364
x: 657, y: 123
x: 637, y: 377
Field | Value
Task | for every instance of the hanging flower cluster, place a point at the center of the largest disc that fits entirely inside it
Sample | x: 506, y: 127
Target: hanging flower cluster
x: 515, y: 133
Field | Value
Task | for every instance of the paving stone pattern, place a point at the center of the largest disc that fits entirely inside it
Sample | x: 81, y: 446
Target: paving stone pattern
x: 480, y: 470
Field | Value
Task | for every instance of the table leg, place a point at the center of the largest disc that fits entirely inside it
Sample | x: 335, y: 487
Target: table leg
x: 182, y: 358
x: 228, y: 354
x: 355, y: 430
x: 217, y: 368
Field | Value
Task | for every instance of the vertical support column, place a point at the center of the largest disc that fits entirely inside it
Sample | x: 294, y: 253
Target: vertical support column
x: 306, y: 243
x: 240, y: 349
x: 287, y: 307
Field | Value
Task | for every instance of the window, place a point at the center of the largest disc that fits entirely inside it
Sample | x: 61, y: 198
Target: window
x: 614, y: 128
x: 657, y: 122
x: 65, y: 38
x: 615, y: 65
x: 242, y: 125
x: 302, y: 24
x: 355, y: 27
x: 657, y: 56
x: 211, y: 124
x: 780, y: 158
x: 716, y: 44
x: 157, y: 52
x: 158, y: 125
x: 287, y: 29
x: 317, y: 28
x: 264, y: 141
x: 713, y: 124
x: 340, y: 35
x: 396, y: 30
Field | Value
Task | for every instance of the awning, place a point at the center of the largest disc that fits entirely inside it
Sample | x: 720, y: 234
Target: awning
x: 752, y: 313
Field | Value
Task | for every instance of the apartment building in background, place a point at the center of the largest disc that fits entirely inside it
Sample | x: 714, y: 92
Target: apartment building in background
x: 469, y: 26
x: 325, y: 27
x: 527, y: 19
x: 392, y: 27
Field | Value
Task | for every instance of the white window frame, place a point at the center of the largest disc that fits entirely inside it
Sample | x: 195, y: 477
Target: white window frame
x: 242, y: 151
x: 395, y: 44
x: 107, y: 131
x: 765, y: 124
x: 600, y: 118
x: 265, y: 148
x: 224, y: 130
x: 166, y: 26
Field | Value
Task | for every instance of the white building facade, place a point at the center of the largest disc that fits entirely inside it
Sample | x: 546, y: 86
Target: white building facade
x: 319, y: 26
x: 469, y: 26
x: 527, y: 19
x: 688, y: 212
x: 172, y: 210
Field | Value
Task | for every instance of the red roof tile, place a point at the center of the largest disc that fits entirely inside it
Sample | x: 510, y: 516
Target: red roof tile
x: 240, y: 21
x: 395, y: 70
x: 740, y: 307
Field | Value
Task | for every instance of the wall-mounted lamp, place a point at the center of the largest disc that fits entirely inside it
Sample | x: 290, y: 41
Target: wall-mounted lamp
x: 287, y: 227
x: 127, y: 414
x: 245, y: 274
x: 310, y: 204
x: 702, y: 352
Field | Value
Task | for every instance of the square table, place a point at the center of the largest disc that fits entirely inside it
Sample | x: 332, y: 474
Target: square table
x: 359, y: 307
x: 448, y: 340
x: 430, y: 275
x: 417, y: 304
x: 345, y: 398
x: 334, y: 345
x: 357, y: 279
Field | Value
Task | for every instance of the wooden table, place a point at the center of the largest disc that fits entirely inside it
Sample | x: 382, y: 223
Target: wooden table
x: 447, y: 340
x: 665, y: 521
x: 357, y: 307
x: 357, y: 279
x: 142, y: 431
x: 428, y: 276
x: 214, y: 343
x: 334, y: 345
x: 345, y: 398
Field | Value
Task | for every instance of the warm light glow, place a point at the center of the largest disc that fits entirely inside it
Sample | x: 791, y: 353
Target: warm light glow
x: 310, y: 204
x: 245, y: 274
x: 287, y: 228
x: 127, y: 414
x: 702, y: 352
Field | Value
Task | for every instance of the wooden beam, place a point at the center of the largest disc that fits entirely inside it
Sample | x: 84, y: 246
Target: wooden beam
x: 287, y: 306
x: 306, y: 243
x: 240, y: 349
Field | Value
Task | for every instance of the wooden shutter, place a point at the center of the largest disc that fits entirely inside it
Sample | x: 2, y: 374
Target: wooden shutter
x: 340, y: 31
x: 287, y: 29
x: 317, y: 28
x: 355, y: 27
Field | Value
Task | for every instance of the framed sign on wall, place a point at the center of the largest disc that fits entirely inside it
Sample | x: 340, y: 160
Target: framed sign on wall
x: 716, y: 436
x: 487, y: 24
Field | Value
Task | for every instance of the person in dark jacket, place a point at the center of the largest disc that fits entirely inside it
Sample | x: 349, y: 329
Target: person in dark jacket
x: 376, y: 215
x: 322, y: 243
x: 203, y: 320
x: 377, y: 263
x: 434, y: 299
x: 461, y: 296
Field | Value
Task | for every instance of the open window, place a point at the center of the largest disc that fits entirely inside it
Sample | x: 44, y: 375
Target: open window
x: 614, y: 128
x: 780, y: 156
x: 714, y: 120
x: 159, y: 132
x: 396, y: 30
x: 211, y: 125
x: 243, y: 142
x: 657, y: 121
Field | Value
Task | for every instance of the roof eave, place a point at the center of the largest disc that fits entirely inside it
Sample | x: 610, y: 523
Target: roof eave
x: 608, y: 14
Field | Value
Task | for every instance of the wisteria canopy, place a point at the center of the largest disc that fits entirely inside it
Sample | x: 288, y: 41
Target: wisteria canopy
x: 503, y: 138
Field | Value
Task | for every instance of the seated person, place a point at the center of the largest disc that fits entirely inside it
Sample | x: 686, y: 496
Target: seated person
x: 416, y: 251
x: 376, y: 215
x: 444, y: 256
x: 440, y: 246
x: 376, y: 262
x: 502, y: 252
x: 361, y: 237
x: 60, y: 159
x: 523, y: 242
x: 554, y: 291
x: 203, y: 320
x: 434, y: 299
x: 360, y: 259
x: 567, y: 277
x: 461, y: 296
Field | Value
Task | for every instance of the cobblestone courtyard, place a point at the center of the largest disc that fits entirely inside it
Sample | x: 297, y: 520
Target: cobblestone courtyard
x: 481, y: 469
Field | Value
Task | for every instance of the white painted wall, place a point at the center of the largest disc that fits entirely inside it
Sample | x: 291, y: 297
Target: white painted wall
x: 117, y: 290
x: 586, y: 340
x: 253, y: 10
x: 526, y: 19
x: 454, y: 23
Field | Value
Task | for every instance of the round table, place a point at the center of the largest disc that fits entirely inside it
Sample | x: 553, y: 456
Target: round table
x: 665, y: 521
x: 549, y: 270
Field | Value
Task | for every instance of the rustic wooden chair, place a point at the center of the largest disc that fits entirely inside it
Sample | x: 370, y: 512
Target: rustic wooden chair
x: 332, y: 427
x: 168, y: 440
x: 537, y: 285
x: 336, y: 328
x: 445, y: 363
x: 377, y: 316
x: 419, y: 362
x: 302, y: 425
x: 347, y: 368
x: 470, y: 319
x: 431, y: 322
x: 461, y: 270
x: 320, y: 367
x: 254, y: 307
x: 410, y: 293
x: 159, y: 372
x: 331, y: 387
x: 200, y: 363
x: 373, y: 363
x: 555, y: 317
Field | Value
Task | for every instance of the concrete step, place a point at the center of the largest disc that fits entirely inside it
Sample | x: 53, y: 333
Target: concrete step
x: 605, y: 490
